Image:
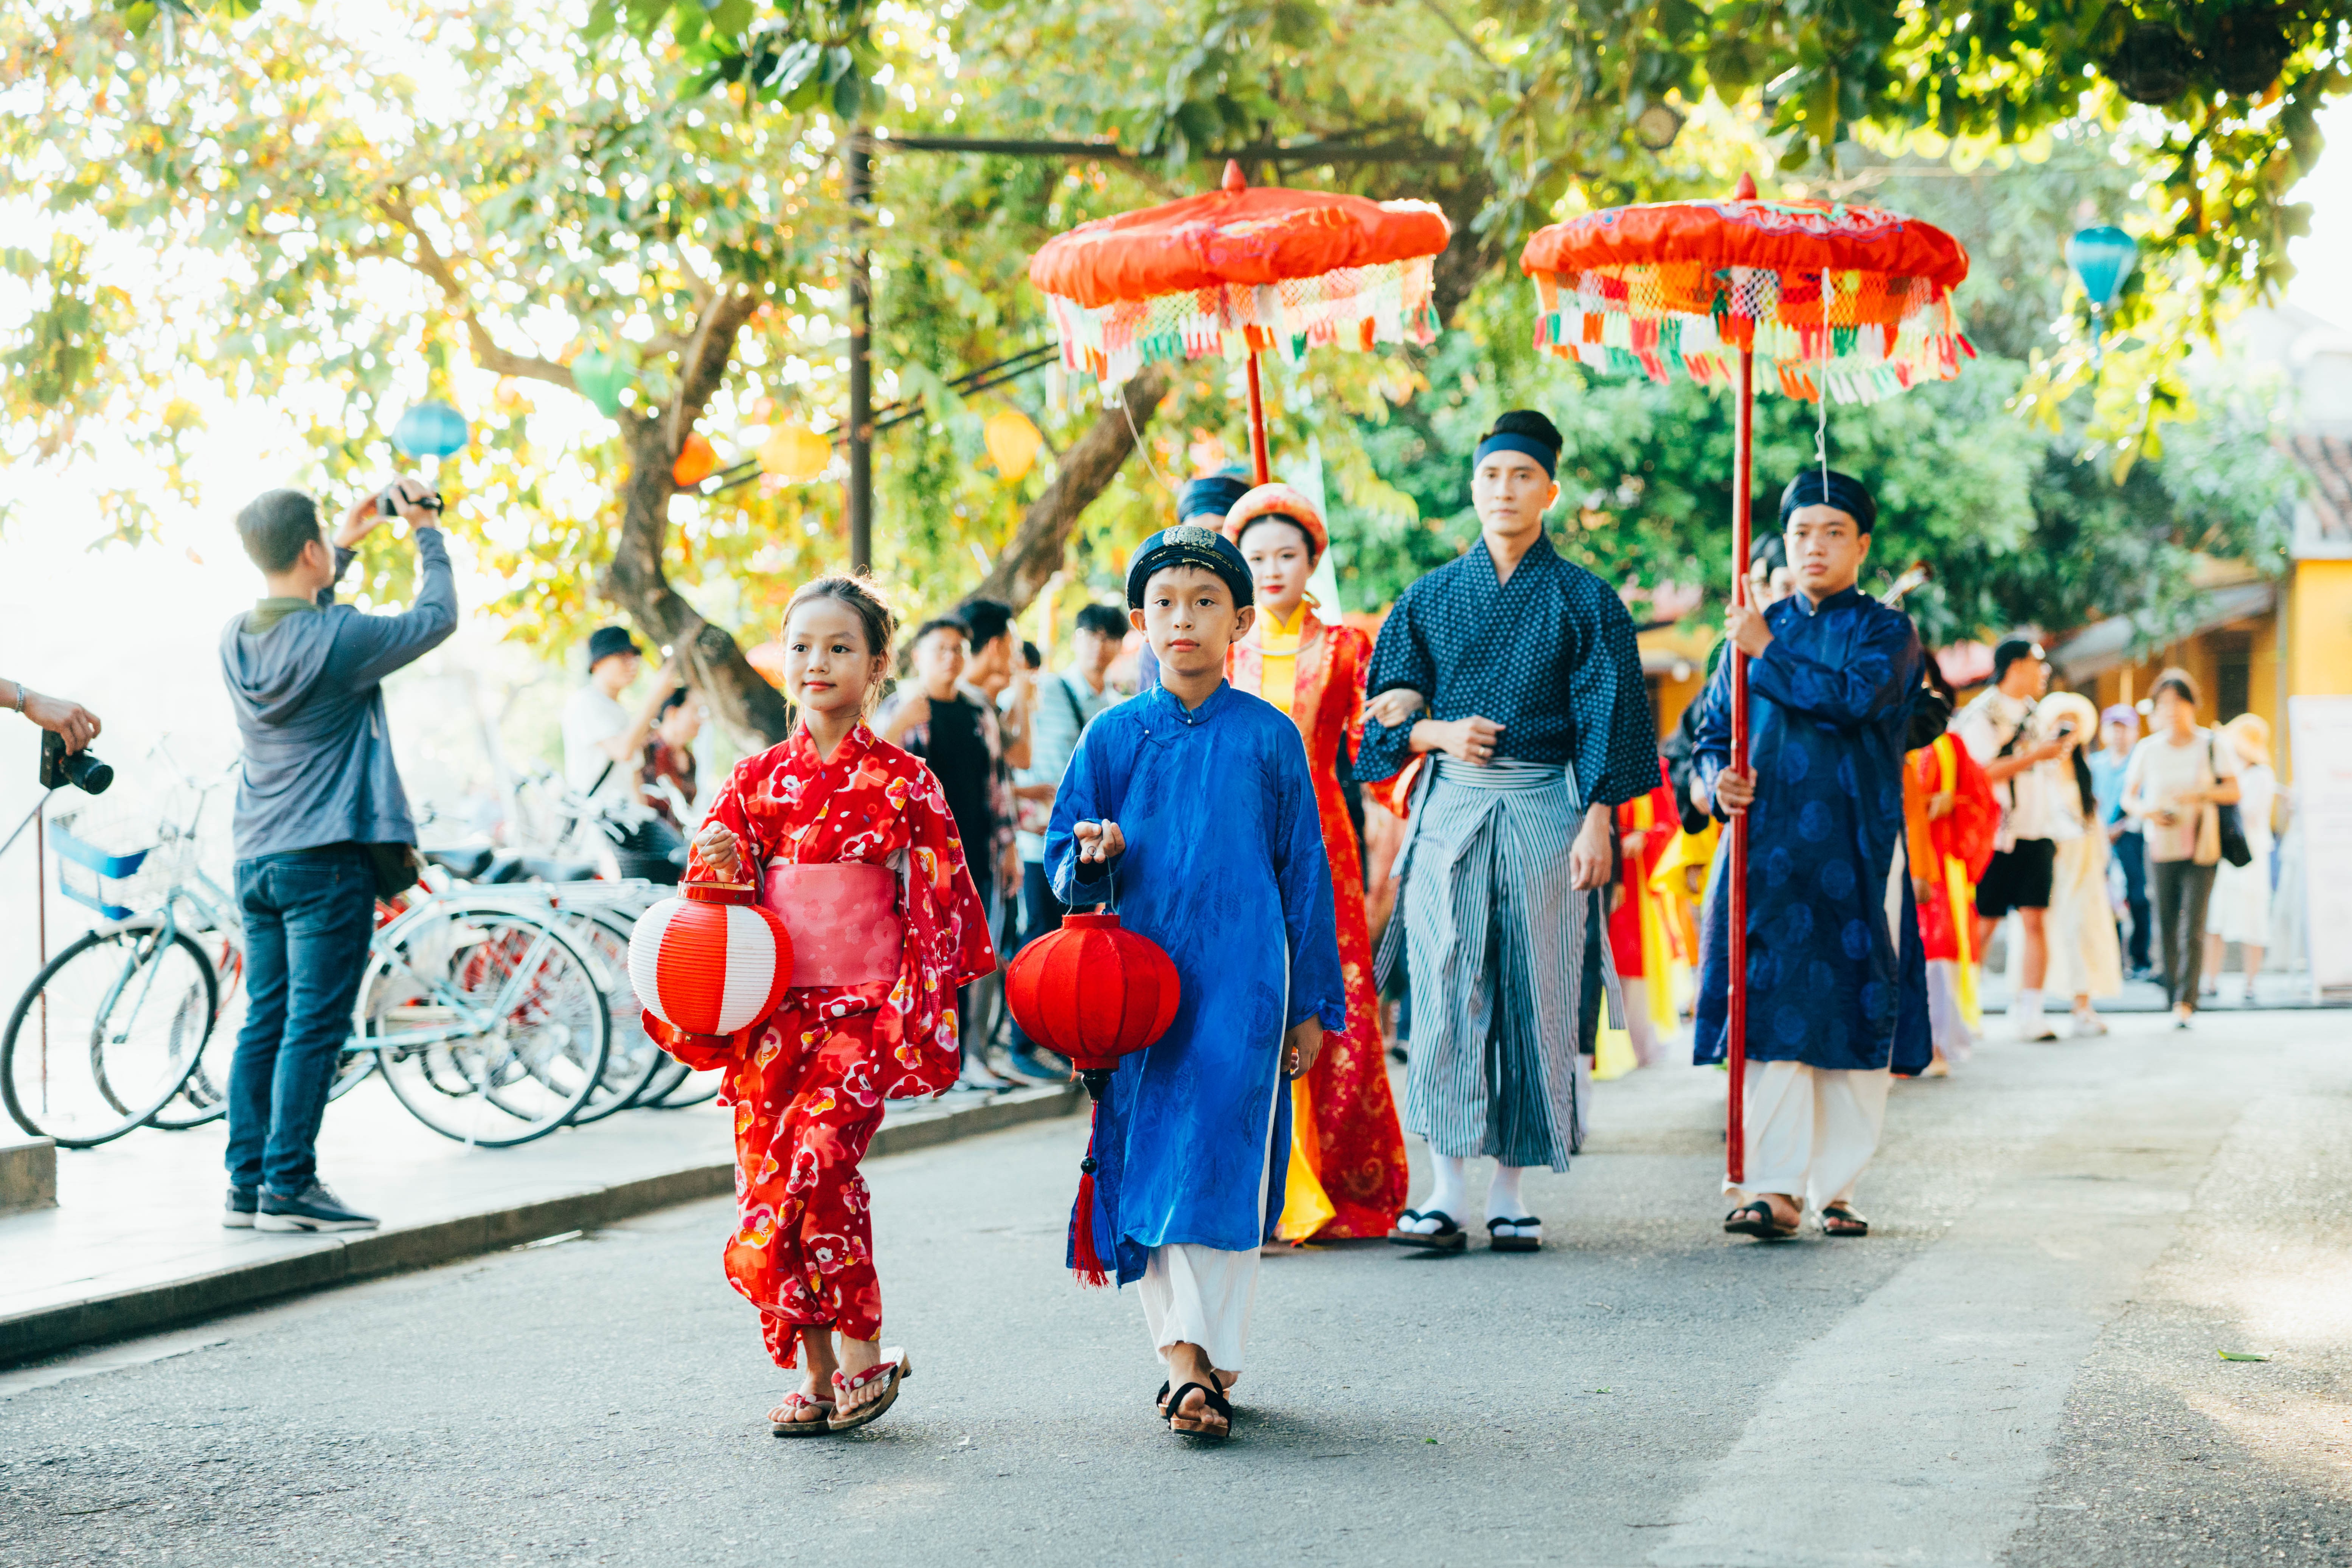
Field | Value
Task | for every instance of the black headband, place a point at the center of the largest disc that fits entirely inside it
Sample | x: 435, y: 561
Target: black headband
x: 1527, y: 445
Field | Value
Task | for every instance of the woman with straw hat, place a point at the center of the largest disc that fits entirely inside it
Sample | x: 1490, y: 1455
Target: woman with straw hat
x: 2085, y: 958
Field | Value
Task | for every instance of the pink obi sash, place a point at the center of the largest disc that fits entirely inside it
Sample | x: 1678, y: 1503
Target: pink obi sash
x: 843, y: 920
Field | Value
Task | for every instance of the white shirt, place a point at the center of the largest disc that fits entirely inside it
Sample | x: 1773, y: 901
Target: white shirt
x: 590, y: 719
x: 1984, y: 727
x: 2160, y: 772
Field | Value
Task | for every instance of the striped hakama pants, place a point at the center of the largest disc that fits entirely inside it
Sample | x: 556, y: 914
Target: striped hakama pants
x: 1509, y: 963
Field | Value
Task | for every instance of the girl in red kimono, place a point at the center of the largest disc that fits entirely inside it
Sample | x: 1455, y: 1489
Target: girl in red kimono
x: 1348, y: 1179
x: 852, y: 845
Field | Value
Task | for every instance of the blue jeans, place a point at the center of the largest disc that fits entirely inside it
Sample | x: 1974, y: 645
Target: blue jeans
x: 308, y: 918
x: 2131, y: 851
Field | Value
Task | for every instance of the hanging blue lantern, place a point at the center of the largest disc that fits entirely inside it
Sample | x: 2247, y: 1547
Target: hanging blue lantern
x: 2102, y: 258
x: 430, y: 430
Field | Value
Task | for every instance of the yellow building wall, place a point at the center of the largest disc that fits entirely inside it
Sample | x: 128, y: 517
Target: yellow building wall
x: 2318, y: 638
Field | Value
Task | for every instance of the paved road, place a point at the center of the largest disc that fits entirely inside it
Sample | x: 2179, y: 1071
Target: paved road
x: 2019, y: 1367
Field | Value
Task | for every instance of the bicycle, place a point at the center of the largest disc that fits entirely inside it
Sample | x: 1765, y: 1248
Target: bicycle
x: 486, y: 1005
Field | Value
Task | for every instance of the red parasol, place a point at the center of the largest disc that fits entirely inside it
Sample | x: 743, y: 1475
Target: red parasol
x: 1825, y: 294
x: 1238, y: 270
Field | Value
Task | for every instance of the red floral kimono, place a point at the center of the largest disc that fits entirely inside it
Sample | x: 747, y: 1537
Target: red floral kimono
x: 1350, y: 1178
x: 1654, y: 817
x: 807, y: 1083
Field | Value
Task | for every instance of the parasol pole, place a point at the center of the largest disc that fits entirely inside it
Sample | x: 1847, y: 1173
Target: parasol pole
x: 1735, y: 1129
x: 1258, y: 465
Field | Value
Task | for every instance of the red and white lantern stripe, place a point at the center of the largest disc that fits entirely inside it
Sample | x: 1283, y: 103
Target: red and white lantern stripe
x: 709, y: 968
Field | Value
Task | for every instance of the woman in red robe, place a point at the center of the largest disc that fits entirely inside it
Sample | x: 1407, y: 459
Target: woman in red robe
x: 1350, y: 1179
x: 1646, y: 826
x: 852, y: 846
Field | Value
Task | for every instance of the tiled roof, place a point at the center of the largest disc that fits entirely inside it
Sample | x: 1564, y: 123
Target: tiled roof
x: 2328, y: 460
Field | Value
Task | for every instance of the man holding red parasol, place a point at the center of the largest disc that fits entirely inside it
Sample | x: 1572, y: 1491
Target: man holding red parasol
x: 1837, y: 985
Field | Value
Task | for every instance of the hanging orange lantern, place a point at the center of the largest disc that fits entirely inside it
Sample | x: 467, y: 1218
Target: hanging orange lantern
x: 697, y: 461
x: 794, y: 453
x: 1012, y: 442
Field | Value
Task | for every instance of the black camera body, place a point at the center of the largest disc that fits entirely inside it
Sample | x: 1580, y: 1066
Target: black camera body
x: 79, y: 769
x: 385, y: 505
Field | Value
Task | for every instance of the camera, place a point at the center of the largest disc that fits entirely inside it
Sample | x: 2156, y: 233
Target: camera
x: 79, y: 769
x: 386, y: 505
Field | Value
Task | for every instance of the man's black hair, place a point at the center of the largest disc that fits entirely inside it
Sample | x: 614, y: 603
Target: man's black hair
x: 1104, y: 621
x: 1030, y: 657
x: 671, y: 704
x: 1528, y: 422
x: 2011, y: 650
x: 955, y: 623
x: 274, y: 527
x: 1767, y: 549
x: 985, y: 620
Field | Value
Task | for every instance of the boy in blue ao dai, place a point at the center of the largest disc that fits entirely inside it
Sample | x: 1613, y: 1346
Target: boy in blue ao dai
x: 1193, y: 806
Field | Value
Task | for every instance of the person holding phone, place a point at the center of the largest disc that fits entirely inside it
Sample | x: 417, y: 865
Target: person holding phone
x: 2174, y: 782
x: 321, y: 826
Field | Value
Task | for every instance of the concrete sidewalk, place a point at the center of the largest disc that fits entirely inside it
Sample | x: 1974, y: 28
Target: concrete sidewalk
x: 136, y: 1242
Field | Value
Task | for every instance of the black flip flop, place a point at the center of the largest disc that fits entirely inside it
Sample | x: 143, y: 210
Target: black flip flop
x: 1497, y: 1242
x: 1859, y: 1226
x: 1756, y: 1219
x: 1448, y: 1237
x: 1212, y: 1399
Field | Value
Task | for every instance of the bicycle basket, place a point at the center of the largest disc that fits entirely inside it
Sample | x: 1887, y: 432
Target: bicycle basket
x: 111, y: 860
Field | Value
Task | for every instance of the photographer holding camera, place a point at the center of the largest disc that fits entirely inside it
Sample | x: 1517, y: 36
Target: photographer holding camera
x: 322, y: 826
x: 73, y: 721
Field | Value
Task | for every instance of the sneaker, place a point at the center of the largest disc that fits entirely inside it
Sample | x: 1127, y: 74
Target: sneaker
x: 1039, y: 1066
x: 313, y: 1208
x: 237, y: 1213
x: 2089, y: 1026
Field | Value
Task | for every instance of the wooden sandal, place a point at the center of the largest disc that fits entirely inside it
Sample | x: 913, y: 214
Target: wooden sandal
x: 1507, y: 1235
x: 1214, y: 1401
x: 1449, y: 1236
x: 1757, y: 1220
x: 894, y: 1365
x: 781, y: 1420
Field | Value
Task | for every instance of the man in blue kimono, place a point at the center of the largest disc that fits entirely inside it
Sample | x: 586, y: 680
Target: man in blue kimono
x: 1192, y: 810
x: 1537, y: 728
x: 1836, y: 977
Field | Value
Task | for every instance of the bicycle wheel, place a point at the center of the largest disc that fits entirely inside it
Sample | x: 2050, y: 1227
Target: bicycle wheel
x: 204, y: 1097
x: 694, y: 1088
x: 635, y: 1060
x: 485, y: 1021
x: 107, y: 1033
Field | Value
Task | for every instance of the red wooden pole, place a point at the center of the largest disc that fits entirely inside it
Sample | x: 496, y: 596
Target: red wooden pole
x: 1735, y: 1132
x: 1258, y: 464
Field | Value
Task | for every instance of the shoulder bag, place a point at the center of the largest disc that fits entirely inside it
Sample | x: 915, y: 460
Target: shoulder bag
x: 2226, y: 818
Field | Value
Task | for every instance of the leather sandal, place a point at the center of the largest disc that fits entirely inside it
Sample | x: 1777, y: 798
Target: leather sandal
x: 1214, y: 1400
x: 1840, y: 1219
x: 1757, y: 1220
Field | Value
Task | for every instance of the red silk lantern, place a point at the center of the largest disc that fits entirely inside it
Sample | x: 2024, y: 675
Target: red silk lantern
x: 710, y: 962
x: 1093, y: 991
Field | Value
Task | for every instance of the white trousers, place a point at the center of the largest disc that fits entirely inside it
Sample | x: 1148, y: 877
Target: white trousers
x: 1812, y: 1130
x: 1202, y: 1295
x: 1947, y: 1026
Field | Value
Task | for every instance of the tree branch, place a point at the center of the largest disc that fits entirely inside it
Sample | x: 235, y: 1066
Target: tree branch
x: 1038, y: 545
x: 487, y: 352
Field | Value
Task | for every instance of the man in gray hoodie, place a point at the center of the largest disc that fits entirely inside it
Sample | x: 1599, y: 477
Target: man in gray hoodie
x: 319, y: 805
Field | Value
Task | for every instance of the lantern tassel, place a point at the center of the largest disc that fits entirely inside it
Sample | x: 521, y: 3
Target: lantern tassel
x: 1085, y: 1261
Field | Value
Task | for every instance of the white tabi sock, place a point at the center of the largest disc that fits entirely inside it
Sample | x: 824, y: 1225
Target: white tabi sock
x: 1503, y: 1200
x: 1449, y: 1197
x: 2029, y: 1013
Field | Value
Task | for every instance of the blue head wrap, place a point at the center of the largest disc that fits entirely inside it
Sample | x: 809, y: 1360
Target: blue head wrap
x: 1189, y: 544
x: 1843, y: 491
x: 1526, y: 432
x: 1214, y: 494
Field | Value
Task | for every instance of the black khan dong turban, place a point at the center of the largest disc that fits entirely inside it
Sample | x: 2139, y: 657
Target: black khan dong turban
x: 1526, y: 432
x: 1816, y: 488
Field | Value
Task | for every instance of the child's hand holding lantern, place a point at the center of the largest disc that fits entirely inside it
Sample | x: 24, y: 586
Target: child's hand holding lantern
x: 716, y: 846
x: 1098, y: 841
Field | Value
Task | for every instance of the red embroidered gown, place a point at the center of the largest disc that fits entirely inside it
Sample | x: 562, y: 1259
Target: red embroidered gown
x: 1357, y: 1156
x: 807, y: 1083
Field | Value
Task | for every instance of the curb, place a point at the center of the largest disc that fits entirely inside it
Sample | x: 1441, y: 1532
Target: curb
x: 45, y: 1331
